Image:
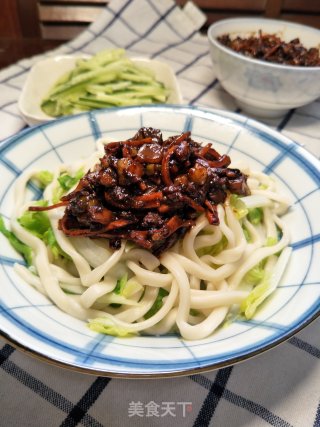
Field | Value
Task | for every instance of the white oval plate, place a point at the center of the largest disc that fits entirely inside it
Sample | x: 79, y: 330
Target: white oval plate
x: 46, y: 72
x: 30, y: 321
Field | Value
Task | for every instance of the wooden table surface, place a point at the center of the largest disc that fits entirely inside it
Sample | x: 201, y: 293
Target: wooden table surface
x: 12, y: 50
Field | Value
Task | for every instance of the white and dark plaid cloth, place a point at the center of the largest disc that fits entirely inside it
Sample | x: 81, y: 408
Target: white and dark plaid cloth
x: 280, y: 387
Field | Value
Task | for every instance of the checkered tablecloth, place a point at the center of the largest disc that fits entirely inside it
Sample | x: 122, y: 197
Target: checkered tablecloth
x: 280, y: 387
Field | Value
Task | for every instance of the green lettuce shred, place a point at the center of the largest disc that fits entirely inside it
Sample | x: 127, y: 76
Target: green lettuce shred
x: 43, y: 178
x: 121, y: 283
x: 38, y: 224
x: 66, y: 182
x: 35, y: 222
x: 238, y: 206
x: 157, y: 304
x: 263, y: 186
x: 256, y: 274
x: 266, y: 286
x: 19, y: 246
x: 260, y: 292
x: 271, y: 241
x: 131, y: 288
x: 246, y: 234
x: 255, y: 216
x: 106, y: 325
x: 50, y: 240
x: 194, y: 312
x: 122, y: 292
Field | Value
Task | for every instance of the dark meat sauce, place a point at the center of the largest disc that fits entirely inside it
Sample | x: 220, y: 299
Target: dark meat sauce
x: 269, y: 47
x: 150, y: 191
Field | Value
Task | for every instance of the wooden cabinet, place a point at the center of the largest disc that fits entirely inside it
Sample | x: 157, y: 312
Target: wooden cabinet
x: 303, y: 11
x: 64, y: 19
x: 47, y: 19
x: 9, y: 21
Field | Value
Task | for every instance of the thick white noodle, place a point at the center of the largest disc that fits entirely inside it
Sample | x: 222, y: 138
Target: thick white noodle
x: 29, y: 277
x: 146, y: 258
x: 144, y: 324
x: 90, y: 250
x: 50, y: 283
x: 205, y: 240
x: 207, y: 284
x: 63, y: 275
x: 207, y: 326
x: 231, y: 253
x: 165, y: 325
x: 203, y: 271
x: 96, y: 274
x: 81, y: 264
x: 208, y: 299
x: 91, y: 294
x: 132, y: 314
x: 150, y: 278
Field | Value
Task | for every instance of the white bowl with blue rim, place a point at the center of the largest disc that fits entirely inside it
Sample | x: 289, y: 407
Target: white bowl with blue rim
x: 30, y: 321
x: 262, y: 88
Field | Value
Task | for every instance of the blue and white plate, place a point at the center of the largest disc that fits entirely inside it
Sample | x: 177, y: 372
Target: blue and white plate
x: 30, y: 321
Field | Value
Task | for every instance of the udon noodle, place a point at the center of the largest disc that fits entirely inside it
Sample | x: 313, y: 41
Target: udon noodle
x: 189, y: 289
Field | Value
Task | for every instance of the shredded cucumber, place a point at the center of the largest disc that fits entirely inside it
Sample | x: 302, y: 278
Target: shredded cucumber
x: 108, y: 79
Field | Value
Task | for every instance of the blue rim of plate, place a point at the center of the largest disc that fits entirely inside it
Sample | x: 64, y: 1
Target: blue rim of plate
x: 306, y: 161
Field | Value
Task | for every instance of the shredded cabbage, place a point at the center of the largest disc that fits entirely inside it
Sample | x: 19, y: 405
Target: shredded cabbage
x: 38, y: 224
x: 66, y: 182
x: 238, y: 206
x: 19, y: 246
x: 157, y: 304
x: 122, y: 292
x: 255, y: 215
x: 105, y: 325
x: 43, y: 178
x: 267, y: 285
